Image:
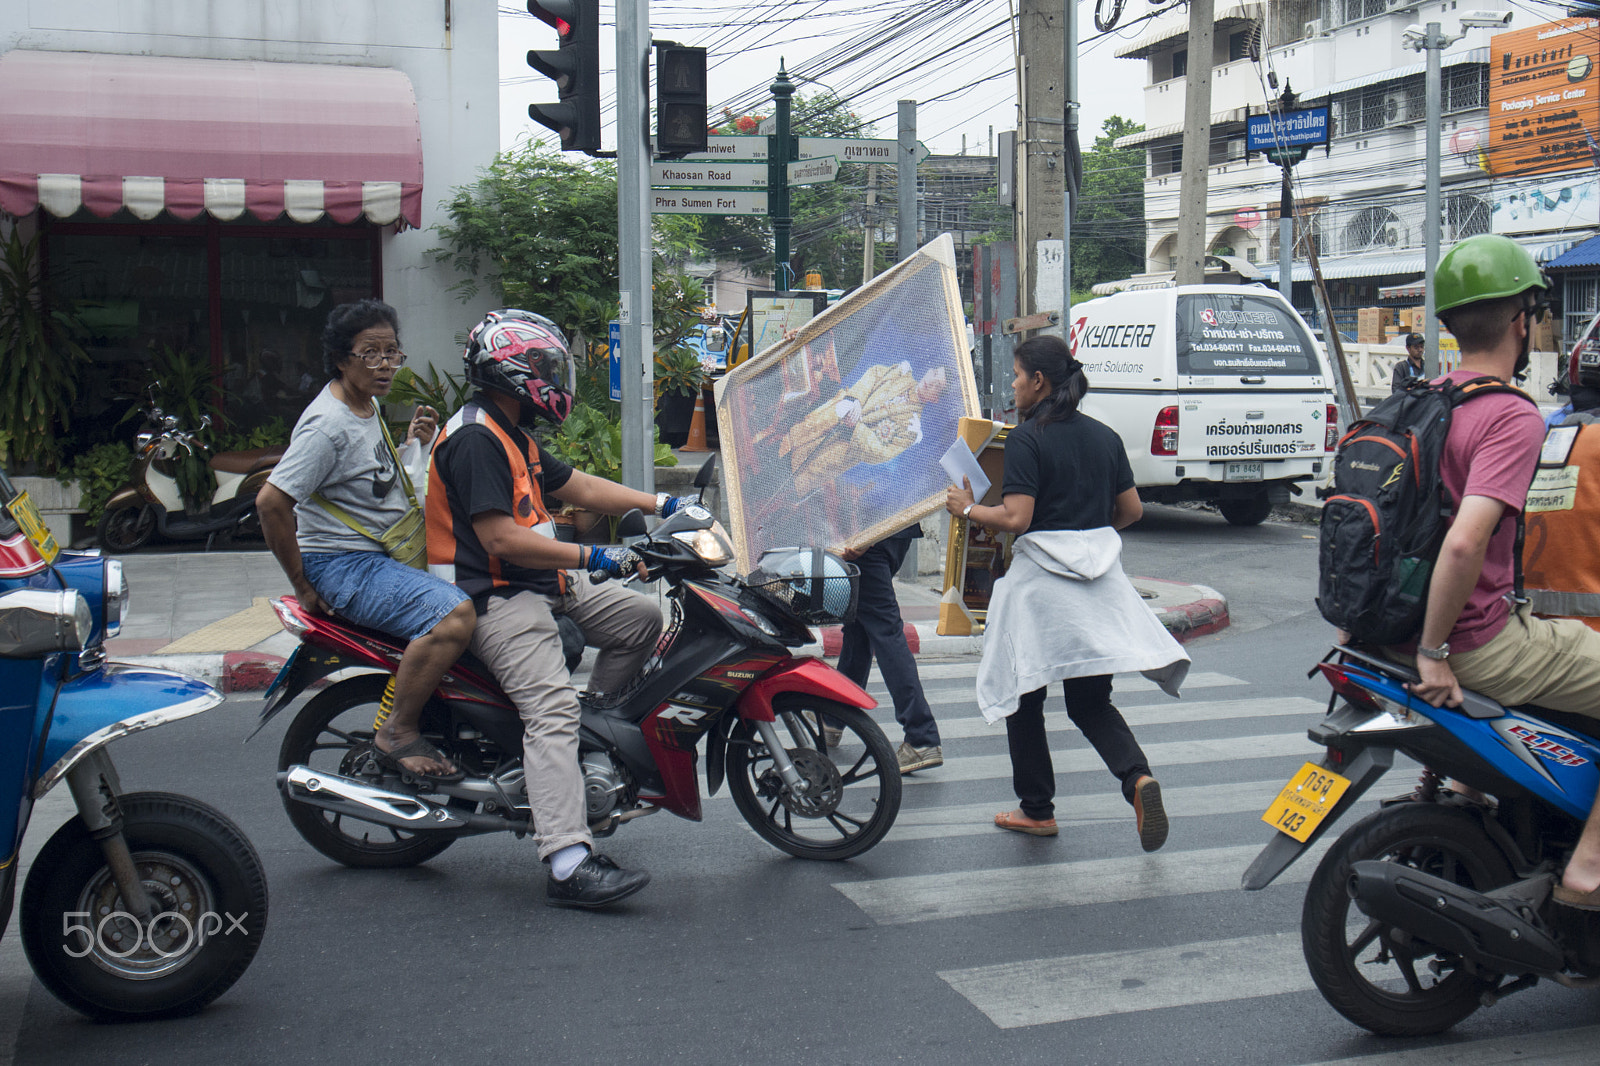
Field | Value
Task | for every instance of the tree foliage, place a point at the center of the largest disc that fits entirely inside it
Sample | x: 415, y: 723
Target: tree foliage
x: 1108, y: 232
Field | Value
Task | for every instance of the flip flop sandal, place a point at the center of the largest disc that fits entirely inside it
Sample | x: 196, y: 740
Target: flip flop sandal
x: 418, y: 747
x: 1021, y: 823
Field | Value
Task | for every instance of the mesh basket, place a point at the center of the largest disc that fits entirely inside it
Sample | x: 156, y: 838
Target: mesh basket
x: 817, y: 588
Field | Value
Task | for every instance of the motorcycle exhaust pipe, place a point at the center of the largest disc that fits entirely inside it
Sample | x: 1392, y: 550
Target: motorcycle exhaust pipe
x: 399, y: 810
x: 1483, y: 929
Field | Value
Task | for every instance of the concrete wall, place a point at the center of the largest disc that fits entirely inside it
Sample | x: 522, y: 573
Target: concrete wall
x: 454, y: 72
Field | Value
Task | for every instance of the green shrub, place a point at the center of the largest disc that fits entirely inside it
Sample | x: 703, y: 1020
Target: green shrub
x: 99, y: 472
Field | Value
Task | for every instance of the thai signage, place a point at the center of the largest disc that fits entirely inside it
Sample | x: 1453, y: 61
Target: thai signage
x: 1544, y: 98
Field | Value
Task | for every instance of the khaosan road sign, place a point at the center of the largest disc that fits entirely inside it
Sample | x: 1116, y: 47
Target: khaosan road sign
x: 1291, y: 129
x: 714, y: 175
x: 708, y: 201
x: 857, y: 149
x: 814, y: 171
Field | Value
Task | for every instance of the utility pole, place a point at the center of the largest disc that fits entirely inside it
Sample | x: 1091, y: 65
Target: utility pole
x: 1191, y: 247
x: 866, y: 230
x: 1069, y: 141
x: 635, y: 253
x: 1433, y: 45
x: 906, y: 180
x: 779, y: 159
x: 1043, y: 172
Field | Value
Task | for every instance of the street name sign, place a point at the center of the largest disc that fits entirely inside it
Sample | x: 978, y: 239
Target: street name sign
x: 1290, y: 129
x: 714, y: 175
x: 813, y: 171
x: 708, y: 202
x: 858, y: 149
x: 724, y: 149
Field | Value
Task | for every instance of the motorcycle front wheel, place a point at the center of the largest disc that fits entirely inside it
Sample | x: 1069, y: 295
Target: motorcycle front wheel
x: 127, y: 529
x: 333, y: 733
x: 93, y: 955
x: 849, y: 798
x: 1372, y: 973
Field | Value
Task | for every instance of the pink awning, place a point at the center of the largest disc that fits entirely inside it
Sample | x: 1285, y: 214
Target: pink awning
x: 224, y: 136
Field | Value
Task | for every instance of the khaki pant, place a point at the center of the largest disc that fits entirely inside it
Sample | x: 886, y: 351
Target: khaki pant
x: 517, y: 639
x: 1549, y: 662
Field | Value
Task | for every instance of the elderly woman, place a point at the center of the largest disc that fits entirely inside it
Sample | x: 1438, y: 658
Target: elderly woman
x: 339, y: 456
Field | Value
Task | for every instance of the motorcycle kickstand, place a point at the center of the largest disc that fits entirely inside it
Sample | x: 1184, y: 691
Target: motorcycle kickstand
x: 780, y: 756
x: 95, y: 788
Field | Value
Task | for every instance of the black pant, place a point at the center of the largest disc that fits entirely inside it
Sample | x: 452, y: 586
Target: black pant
x: 1033, y: 776
x: 878, y: 630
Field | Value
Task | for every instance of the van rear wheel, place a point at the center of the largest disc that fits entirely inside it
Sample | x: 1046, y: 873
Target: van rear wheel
x: 1246, y: 510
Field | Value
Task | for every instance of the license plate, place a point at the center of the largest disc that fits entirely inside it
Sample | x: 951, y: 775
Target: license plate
x: 1242, y: 472
x: 33, y: 527
x: 1305, y: 801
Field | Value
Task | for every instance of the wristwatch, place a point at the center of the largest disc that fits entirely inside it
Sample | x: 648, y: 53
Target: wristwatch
x: 1441, y: 653
x: 966, y: 512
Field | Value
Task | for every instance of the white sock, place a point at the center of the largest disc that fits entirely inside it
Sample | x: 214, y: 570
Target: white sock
x: 568, y: 859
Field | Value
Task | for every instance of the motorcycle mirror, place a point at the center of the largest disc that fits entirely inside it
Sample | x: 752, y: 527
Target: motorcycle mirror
x: 707, y: 469
x: 631, y: 524
x: 205, y: 421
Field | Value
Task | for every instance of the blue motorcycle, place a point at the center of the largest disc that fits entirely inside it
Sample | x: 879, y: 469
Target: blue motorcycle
x: 1439, y: 902
x: 146, y: 904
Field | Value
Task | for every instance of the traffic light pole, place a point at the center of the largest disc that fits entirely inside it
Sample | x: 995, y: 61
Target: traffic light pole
x: 778, y: 160
x: 634, y: 246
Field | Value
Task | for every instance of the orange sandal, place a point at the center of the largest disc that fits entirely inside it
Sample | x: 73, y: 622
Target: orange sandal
x: 1021, y: 823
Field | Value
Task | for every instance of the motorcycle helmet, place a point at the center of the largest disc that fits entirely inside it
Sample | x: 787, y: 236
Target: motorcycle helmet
x: 818, y: 587
x: 1485, y: 267
x: 523, y: 355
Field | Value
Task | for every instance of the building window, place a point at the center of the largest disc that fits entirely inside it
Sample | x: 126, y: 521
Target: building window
x: 1172, y: 262
x: 1465, y: 215
x: 1250, y: 254
x: 1373, y: 109
x: 1466, y: 88
x: 1356, y: 10
x: 1180, y: 62
x: 1238, y: 46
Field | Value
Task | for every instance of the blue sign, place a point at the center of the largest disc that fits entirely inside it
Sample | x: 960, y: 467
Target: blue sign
x: 1290, y: 130
x: 614, y: 340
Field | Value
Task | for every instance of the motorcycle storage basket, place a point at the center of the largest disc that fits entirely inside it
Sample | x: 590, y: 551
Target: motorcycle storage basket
x: 825, y: 594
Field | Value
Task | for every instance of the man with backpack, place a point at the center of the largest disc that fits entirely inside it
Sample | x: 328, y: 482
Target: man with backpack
x: 1490, y: 292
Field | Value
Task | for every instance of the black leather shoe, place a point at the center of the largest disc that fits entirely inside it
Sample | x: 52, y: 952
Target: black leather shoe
x: 595, y: 883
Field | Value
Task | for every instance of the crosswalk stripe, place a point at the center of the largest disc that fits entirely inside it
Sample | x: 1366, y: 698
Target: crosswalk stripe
x: 1566, y: 1047
x: 1079, y: 760
x: 1172, y: 712
x: 1123, y: 682
x: 964, y: 893
x: 1041, y: 991
x: 977, y: 819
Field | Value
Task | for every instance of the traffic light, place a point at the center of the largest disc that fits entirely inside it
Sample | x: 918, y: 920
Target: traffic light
x: 575, y: 67
x: 680, y: 99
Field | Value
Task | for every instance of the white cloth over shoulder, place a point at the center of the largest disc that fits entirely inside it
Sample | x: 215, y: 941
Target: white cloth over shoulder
x: 1066, y: 609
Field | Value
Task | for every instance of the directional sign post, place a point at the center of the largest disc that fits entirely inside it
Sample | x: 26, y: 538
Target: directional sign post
x: 741, y: 175
x: 858, y: 149
x: 726, y: 149
x: 1286, y: 129
x: 814, y: 171
x: 708, y: 201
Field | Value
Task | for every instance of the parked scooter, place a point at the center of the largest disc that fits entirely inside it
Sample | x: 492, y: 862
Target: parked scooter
x: 152, y: 502
x: 146, y: 904
x: 1438, y: 903
x: 723, y: 671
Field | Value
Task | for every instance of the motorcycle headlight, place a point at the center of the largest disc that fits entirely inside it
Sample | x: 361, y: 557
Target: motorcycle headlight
x: 115, y: 602
x: 710, y: 545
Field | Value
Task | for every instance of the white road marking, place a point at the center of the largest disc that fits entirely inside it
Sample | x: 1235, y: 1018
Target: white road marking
x: 1172, y: 712
x: 1080, y: 760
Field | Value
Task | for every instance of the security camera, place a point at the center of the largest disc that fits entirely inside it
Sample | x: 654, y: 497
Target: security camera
x: 1485, y: 19
x: 1414, y: 37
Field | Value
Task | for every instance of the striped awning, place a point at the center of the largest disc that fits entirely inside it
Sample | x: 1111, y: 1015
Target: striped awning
x: 1471, y: 55
x: 1141, y: 47
x: 1155, y: 133
x: 152, y: 134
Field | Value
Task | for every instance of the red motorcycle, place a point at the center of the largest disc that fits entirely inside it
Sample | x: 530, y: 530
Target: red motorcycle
x: 723, y: 671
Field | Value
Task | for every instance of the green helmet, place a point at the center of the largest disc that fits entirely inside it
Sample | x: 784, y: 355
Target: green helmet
x: 1485, y: 267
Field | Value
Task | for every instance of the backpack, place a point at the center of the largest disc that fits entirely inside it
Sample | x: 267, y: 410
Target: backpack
x: 1386, y: 514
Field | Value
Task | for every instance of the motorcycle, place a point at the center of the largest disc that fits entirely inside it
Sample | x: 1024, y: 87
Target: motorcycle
x: 145, y: 904
x: 152, y: 501
x: 1439, y: 902
x: 723, y: 671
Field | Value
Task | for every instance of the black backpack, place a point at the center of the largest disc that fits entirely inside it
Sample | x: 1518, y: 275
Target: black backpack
x: 1386, y: 514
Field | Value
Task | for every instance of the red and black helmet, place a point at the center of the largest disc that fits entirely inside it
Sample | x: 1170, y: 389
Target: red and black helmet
x: 524, y: 355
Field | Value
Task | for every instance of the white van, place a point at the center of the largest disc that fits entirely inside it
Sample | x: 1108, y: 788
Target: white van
x: 1218, y: 392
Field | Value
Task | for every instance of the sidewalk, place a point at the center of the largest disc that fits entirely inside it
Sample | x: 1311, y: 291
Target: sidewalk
x: 206, y: 614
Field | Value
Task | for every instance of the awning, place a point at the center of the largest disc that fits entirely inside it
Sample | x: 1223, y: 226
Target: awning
x: 1360, y: 265
x: 223, y: 136
x: 1221, y: 118
x: 1555, y: 254
x: 1411, y: 290
x: 1471, y: 55
x: 1586, y: 254
x: 1141, y: 47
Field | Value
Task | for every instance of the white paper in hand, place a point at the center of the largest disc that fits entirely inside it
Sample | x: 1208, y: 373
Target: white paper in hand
x: 959, y: 462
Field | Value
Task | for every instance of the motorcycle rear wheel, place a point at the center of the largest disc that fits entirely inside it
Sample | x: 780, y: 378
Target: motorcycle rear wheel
x: 127, y: 529
x: 1405, y: 997
x: 92, y: 955
x: 852, y: 795
x: 331, y: 733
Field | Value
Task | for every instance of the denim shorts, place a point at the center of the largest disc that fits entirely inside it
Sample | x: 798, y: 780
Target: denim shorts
x: 371, y: 589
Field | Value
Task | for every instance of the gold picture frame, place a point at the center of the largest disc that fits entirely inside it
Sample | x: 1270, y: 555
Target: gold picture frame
x: 975, y: 557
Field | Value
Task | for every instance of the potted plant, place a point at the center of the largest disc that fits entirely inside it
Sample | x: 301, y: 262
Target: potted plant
x: 679, y: 379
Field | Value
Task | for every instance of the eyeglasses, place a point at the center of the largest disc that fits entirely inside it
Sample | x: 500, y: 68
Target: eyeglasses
x: 373, y: 358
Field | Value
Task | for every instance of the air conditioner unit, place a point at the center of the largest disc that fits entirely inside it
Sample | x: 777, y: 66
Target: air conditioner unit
x: 1235, y: 148
x: 1314, y: 28
x: 1391, y: 109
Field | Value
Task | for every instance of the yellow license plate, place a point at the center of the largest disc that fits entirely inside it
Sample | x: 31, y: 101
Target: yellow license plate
x: 1305, y: 801
x: 33, y: 527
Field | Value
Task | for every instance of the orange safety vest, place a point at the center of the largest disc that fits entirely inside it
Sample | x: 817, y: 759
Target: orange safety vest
x: 454, y: 552
x: 1561, y: 551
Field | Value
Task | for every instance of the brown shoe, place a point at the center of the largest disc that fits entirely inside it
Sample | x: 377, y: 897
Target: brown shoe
x: 1571, y: 897
x: 1151, y: 816
x: 1021, y: 823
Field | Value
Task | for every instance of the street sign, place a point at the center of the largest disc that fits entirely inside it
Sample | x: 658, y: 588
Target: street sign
x: 857, y: 149
x: 614, y: 342
x: 724, y: 149
x: 708, y: 202
x: 813, y: 171
x: 1285, y: 156
x: 1290, y: 129
x: 714, y: 175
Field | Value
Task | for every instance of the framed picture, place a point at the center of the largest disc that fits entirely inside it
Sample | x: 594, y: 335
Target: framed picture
x: 769, y: 316
x: 975, y: 557
x: 832, y: 436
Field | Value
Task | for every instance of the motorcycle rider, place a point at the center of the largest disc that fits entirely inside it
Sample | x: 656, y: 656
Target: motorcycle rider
x: 1489, y: 291
x: 490, y: 532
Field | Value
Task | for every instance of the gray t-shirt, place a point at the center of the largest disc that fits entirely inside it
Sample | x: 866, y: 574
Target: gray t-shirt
x: 344, y: 458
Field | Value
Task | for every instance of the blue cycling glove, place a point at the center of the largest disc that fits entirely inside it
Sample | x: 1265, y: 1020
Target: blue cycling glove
x: 671, y: 505
x: 617, y: 561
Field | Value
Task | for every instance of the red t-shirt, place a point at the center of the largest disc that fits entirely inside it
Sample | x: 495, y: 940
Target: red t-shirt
x: 1492, y: 451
